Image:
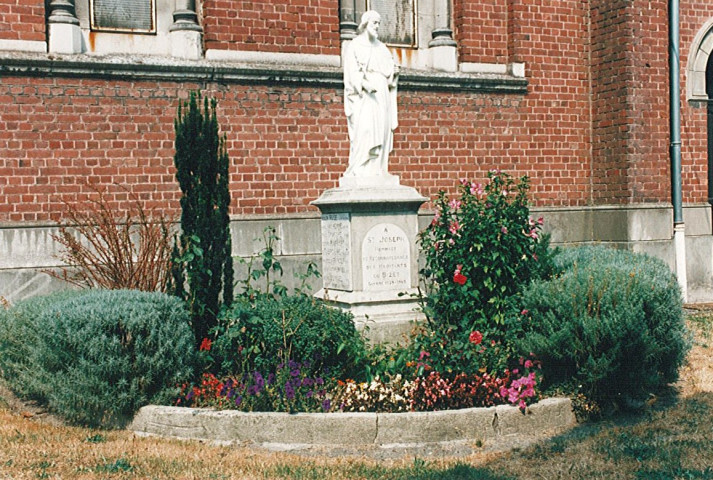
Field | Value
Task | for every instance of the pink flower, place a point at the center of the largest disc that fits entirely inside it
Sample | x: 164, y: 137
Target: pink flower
x: 524, y: 312
x: 454, y: 227
x: 475, y: 337
x: 454, y: 204
x: 504, y: 230
x: 528, y: 363
x: 436, y: 218
x: 477, y: 189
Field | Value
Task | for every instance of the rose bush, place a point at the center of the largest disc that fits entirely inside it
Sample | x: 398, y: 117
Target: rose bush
x: 480, y: 251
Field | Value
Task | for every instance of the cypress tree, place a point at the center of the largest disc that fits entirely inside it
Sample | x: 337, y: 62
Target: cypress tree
x: 202, y: 172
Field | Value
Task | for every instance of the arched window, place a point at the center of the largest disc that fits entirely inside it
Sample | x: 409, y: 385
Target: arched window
x: 699, y: 86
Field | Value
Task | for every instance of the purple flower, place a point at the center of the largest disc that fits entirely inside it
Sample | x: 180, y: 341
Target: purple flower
x: 259, y: 381
x: 309, y: 394
x: 225, y: 388
x: 238, y: 400
x: 326, y: 405
x: 271, y: 378
x: 289, y: 391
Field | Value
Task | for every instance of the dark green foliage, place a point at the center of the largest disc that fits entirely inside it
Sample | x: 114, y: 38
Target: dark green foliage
x: 480, y: 250
x: 269, y: 326
x: 202, y: 172
x: 610, y: 327
x: 487, y: 238
x: 94, y: 358
x: 262, y: 333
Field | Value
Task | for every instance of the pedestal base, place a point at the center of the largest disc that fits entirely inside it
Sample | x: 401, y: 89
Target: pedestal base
x: 187, y: 44
x: 65, y: 38
x: 387, y: 316
x: 369, y: 253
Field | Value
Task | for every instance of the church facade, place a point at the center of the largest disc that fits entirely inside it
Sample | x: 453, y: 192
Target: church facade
x: 572, y: 93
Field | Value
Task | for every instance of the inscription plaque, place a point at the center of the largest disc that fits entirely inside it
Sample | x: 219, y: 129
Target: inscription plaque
x: 123, y: 15
x: 336, y: 251
x: 398, y: 21
x: 386, y: 258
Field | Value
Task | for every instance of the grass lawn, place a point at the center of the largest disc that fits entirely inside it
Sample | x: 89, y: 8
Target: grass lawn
x: 671, y: 439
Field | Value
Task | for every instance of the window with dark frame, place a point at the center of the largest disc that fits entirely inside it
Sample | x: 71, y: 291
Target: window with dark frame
x: 132, y: 16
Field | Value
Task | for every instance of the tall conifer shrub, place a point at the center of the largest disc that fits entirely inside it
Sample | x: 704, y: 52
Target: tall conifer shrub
x: 204, y: 267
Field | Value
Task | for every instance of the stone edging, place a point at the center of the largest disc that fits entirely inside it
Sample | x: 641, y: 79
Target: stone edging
x: 355, y: 430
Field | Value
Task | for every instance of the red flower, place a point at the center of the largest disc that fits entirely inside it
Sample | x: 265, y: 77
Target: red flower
x: 205, y: 345
x: 475, y: 337
x: 458, y: 277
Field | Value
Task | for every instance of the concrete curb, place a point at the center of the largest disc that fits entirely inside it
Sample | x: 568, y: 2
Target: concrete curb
x: 356, y: 430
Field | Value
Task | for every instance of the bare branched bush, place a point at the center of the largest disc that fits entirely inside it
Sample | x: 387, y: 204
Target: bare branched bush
x: 103, y: 249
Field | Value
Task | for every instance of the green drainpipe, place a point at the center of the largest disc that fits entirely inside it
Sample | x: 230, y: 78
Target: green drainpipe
x: 675, y: 150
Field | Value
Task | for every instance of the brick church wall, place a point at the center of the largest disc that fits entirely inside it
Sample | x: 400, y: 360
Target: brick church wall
x: 22, y: 20
x: 591, y: 130
x: 694, y: 142
x: 297, y: 26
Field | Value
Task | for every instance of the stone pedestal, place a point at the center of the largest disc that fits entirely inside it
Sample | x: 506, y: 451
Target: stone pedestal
x: 369, y: 253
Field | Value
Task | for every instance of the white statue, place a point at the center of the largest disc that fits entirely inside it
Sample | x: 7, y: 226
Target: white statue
x: 370, y: 78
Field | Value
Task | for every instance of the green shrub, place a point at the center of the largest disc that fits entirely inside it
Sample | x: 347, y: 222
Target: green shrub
x: 261, y: 333
x: 611, y: 326
x: 480, y: 250
x: 19, y: 334
x: 94, y: 358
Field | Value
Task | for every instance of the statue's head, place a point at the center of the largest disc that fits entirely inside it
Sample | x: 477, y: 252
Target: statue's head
x: 370, y: 20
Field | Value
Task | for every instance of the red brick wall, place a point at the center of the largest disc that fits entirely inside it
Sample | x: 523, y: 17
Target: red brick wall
x: 584, y: 135
x: 22, y: 20
x: 297, y: 26
x: 630, y: 101
x: 481, y: 30
x: 551, y: 38
x: 694, y: 15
